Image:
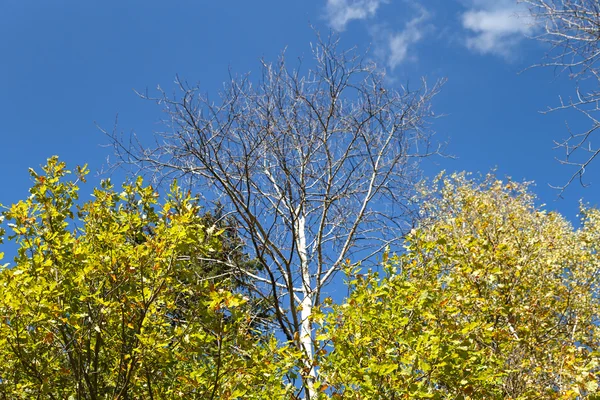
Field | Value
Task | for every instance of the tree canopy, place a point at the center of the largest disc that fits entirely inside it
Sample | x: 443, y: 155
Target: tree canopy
x: 493, y: 297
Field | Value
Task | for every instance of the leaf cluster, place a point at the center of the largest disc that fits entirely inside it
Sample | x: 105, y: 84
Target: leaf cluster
x: 493, y: 298
x: 107, y: 301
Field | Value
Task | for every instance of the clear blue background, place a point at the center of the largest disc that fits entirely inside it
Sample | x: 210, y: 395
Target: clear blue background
x: 67, y: 65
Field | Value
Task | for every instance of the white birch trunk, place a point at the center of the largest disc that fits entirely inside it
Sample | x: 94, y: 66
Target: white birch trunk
x: 307, y: 304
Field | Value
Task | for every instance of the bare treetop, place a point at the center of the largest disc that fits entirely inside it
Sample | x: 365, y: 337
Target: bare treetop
x: 572, y: 29
x: 316, y: 167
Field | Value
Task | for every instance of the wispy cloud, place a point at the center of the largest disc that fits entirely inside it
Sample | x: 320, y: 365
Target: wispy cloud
x: 399, y: 43
x: 393, y: 45
x: 340, y: 12
x: 496, y: 26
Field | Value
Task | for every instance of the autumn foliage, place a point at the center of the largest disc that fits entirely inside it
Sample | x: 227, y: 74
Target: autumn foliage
x: 105, y: 301
x: 492, y: 298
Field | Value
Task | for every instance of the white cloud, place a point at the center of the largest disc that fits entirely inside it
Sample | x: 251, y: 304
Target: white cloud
x: 496, y: 26
x: 341, y: 12
x: 400, y: 42
x: 392, y: 46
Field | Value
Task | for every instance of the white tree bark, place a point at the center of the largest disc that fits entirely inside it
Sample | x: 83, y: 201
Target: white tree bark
x: 306, y: 333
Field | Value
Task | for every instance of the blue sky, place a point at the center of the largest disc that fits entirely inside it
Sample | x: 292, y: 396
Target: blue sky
x: 67, y: 65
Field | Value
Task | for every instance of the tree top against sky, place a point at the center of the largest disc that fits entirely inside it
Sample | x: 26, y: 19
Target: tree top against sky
x: 69, y: 66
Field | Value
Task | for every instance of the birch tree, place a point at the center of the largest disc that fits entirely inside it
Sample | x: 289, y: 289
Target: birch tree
x: 317, y: 168
x: 572, y: 29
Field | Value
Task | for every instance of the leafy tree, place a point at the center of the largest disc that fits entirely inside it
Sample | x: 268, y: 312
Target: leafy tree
x: 305, y: 162
x: 493, y: 298
x: 106, y: 301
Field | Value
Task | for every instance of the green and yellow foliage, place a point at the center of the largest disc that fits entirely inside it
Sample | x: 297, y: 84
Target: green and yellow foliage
x: 106, y: 301
x: 494, y: 298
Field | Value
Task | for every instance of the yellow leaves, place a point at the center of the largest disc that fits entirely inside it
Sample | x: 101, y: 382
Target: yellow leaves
x: 322, y: 336
x: 591, y: 386
x: 480, y: 294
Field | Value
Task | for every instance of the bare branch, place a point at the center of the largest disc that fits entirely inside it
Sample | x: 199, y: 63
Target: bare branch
x: 572, y: 30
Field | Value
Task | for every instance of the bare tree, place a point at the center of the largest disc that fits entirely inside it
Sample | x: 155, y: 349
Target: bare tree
x: 316, y: 167
x: 572, y: 29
